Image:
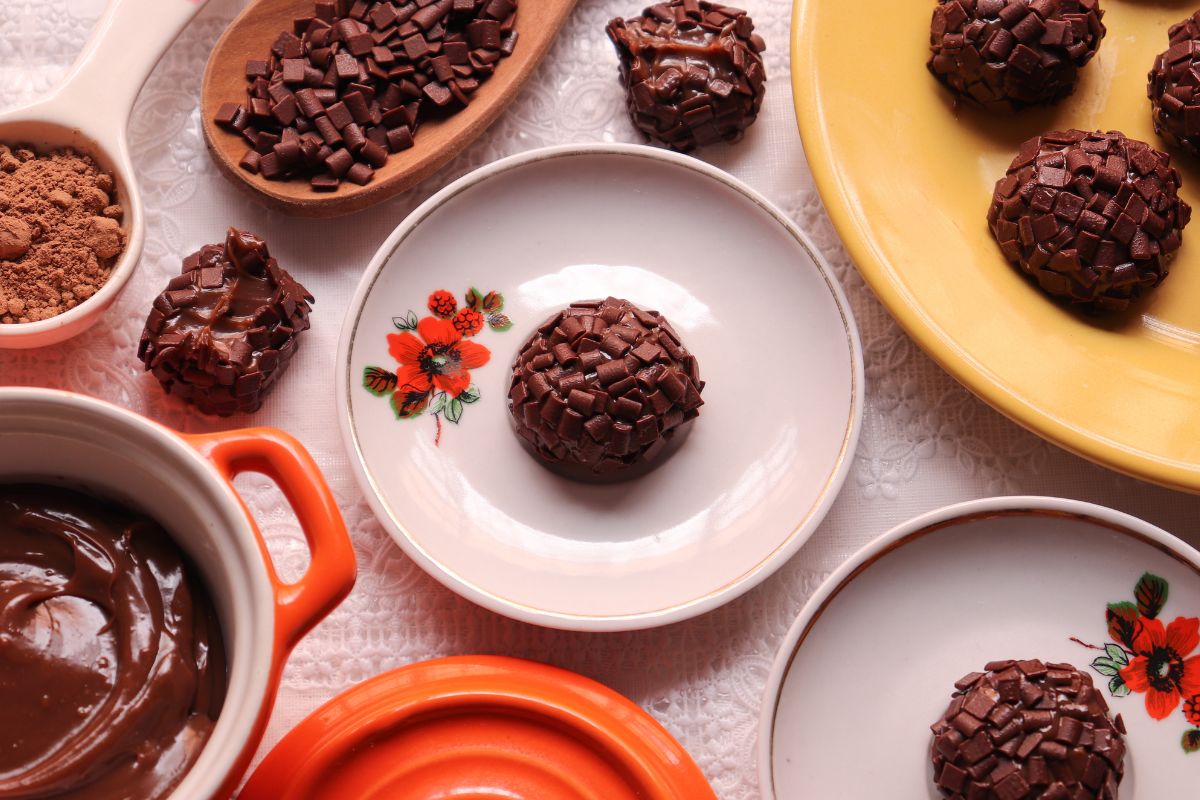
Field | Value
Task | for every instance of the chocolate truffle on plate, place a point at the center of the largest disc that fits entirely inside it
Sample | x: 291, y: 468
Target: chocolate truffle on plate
x: 1005, y: 55
x: 225, y: 329
x: 693, y: 72
x: 1094, y: 218
x: 1173, y: 87
x: 601, y: 388
x: 1028, y: 729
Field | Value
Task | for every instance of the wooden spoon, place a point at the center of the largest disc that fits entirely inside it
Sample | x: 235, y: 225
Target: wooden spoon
x: 251, y: 36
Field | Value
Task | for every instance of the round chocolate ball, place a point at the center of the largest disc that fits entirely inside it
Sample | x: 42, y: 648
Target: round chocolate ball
x: 1174, y: 89
x: 1028, y: 729
x: 600, y: 390
x: 225, y: 329
x: 1093, y: 217
x: 693, y: 72
x: 1005, y: 55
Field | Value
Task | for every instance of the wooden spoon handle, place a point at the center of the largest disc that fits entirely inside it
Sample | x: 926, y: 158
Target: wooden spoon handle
x: 126, y: 43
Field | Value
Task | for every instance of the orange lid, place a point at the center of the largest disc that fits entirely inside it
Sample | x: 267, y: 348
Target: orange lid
x: 478, y: 728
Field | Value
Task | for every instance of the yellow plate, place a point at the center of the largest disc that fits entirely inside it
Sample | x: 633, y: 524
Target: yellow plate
x: 907, y: 179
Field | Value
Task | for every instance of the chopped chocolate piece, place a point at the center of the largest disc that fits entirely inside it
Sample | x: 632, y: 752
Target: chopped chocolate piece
x: 1007, y: 55
x: 226, y: 328
x: 591, y: 410
x: 1094, y: 218
x: 1025, y: 730
x: 693, y: 71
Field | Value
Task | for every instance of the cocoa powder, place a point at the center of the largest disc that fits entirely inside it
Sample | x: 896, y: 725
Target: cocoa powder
x: 60, y: 232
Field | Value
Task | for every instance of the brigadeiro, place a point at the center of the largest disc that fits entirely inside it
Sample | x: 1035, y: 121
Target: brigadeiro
x: 1093, y: 217
x: 1173, y: 87
x: 225, y: 329
x: 1005, y: 55
x: 1028, y: 729
x: 600, y: 390
x: 693, y: 72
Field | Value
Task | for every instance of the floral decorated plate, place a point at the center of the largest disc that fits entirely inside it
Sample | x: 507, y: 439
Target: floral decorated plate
x: 871, y: 662
x: 440, y: 314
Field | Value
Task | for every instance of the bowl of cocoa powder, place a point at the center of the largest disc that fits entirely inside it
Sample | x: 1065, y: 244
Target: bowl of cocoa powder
x: 62, y: 235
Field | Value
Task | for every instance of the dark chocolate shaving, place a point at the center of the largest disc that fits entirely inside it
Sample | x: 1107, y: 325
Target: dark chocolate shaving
x: 1005, y: 55
x: 1094, y: 217
x: 225, y: 329
x: 693, y: 72
x: 602, y: 387
x: 1173, y: 87
x: 1027, y: 730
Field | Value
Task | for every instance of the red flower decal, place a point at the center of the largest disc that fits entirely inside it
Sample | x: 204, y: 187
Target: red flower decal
x: 438, y: 357
x: 442, y: 304
x: 1161, y: 667
x: 468, y: 322
x: 1191, y: 709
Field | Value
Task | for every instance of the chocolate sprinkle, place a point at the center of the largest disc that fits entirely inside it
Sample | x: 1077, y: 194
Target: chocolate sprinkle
x: 1173, y: 87
x: 1093, y: 217
x: 1005, y: 55
x: 1027, y: 729
x: 601, y: 388
x: 693, y: 72
x: 225, y: 329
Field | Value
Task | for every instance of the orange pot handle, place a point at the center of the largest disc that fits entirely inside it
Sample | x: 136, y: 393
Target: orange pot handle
x: 332, y: 569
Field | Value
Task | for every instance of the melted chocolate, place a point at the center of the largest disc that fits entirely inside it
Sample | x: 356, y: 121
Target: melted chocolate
x: 112, y: 667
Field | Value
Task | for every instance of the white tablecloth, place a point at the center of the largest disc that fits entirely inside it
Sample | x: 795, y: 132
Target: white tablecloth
x: 926, y: 441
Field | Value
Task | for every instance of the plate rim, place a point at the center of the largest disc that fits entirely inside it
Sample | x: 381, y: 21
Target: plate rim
x: 480, y: 681
x: 549, y: 617
x: 916, y: 528
x: 876, y: 271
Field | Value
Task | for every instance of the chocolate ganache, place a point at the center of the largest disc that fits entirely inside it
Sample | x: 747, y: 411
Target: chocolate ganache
x: 112, y: 667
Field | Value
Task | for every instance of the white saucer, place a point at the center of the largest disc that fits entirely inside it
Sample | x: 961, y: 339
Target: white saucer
x: 748, y: 294
x: 872, y: 660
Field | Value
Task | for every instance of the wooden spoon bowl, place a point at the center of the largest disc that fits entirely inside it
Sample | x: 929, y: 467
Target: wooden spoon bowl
x: 437, y: 141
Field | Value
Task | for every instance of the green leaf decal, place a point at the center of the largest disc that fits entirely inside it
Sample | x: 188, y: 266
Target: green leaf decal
x: 1151, y: 595
x: 1106, y: 667
x: 1122, y: 622
x: 474, y: 299
x: 470, y: 395
x: 439, y: 403
x: 454, y: 410
x: 406, y: 323
x: 378, y: 381
x: 409, y: 403
x: 1191, y: 740
x: 499, y: 322
x: 492, y: 302
x: 1118, y: 656
x: 1118, y: 688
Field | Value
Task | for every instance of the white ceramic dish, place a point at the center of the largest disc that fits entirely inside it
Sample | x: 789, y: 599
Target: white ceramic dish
x: 750, y: 297
x: 89, y: 111
x: 873, y: 657
x: 185, y: 483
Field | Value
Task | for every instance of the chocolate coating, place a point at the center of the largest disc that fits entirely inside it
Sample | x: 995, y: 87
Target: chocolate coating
x: 1093, y: 217
x: 1025, y: 729
x: 224, y: 330
x: 112, y: 667
x: 1173, y: 85
x: 693, y: 72
x: 1005, y: 55
x: 600, y: 389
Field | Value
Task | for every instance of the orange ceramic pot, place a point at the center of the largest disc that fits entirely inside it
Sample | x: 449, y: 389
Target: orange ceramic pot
x: 185, y: 483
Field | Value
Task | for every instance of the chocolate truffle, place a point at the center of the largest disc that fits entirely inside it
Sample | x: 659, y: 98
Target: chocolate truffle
x: 1173, y: 87
x: 1093, y: 217
x: 1025, y: 729
x: 601, y: 388
x: 224, y: 330
x: 1005, y: 55
x: 693, y: 72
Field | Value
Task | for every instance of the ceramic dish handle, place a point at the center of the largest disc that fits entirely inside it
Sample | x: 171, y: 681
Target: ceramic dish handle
x: 332, y: 570
x: 126, y: 43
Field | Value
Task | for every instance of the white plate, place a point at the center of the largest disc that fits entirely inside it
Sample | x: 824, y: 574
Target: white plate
x: 748, y: 294
x: 872, y: 660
